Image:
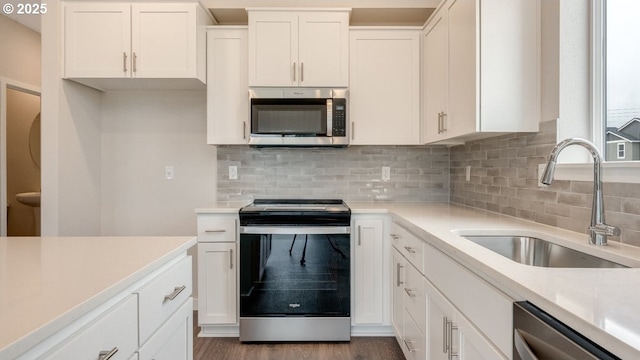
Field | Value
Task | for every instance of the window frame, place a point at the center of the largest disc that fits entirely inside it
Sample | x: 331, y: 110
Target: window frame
x: 621, y: 148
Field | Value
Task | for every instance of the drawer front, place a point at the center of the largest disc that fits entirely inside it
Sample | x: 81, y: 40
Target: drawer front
x: 217, y: 228
x: 471, y: 294
x: 163, y: 295
x: 415, y: 299
x: 414, y: 344
x: 409, y: 245
x: 114, y: 331
x: 174, y: 340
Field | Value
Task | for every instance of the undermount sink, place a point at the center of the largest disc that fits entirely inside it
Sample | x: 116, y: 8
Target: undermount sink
x: 29, y: 198
x: 537, y: 252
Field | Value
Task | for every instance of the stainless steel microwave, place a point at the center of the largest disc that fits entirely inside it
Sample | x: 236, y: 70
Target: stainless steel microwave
x: 298, y: 117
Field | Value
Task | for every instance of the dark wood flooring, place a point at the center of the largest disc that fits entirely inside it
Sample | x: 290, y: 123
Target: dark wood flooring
x: 359, y: 348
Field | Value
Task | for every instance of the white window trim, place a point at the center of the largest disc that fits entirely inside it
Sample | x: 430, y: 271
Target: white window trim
x: 614, y: 171
x: 622, y: 148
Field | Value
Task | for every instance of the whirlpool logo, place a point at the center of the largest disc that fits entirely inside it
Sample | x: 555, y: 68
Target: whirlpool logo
x: 293, y: 306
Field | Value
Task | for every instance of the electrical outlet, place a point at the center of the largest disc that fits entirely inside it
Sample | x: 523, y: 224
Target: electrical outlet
x: 168, y: 172
x: 468, y: 173
x: 233, y: 172
x: 386, y: 173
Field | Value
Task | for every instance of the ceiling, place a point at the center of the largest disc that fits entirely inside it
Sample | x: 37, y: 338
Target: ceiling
x: 30, y: 21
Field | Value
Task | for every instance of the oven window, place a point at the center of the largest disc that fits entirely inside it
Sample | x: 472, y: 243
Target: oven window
x: 289, y: 116
x: 301, y: 275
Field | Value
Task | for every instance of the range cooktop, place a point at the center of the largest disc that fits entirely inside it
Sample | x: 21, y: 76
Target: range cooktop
x: 295, y: 212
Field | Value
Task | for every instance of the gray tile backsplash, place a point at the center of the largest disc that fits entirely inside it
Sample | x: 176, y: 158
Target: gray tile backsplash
x: 418, y: 173
x: 504, y: 180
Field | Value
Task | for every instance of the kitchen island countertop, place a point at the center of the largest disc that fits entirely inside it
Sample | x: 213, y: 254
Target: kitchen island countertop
x: 46, y: 283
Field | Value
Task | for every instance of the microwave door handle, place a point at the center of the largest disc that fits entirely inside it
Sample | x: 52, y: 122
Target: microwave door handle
x: 329, y: 117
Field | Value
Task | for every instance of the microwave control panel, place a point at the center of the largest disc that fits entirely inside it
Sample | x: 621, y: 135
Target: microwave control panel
x: 339, y: 117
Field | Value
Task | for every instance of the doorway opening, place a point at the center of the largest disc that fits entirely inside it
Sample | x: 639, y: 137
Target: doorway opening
x: 19, y: 159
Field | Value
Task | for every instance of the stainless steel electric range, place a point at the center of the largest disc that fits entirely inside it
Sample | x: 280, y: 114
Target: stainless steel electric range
x: 295, y: 280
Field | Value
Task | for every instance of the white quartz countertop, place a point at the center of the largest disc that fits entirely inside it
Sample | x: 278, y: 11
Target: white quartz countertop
x: 601, y: 304
x: 47, y: 283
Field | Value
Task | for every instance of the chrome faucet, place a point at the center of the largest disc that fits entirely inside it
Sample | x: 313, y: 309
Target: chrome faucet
x: 598, y: 231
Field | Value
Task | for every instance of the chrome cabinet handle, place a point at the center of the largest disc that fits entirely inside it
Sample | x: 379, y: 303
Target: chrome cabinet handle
x: 359, y: 235
x: 409, y: 345
x: 244, y: 130
x: 353, y: 131
x: 135, y: 62
x: 440, y: 122
x: 410, y: 292
x: 230, y: 258
x: 451, y: 327
x: 445, y: 343
x: 410, y: 250
x: 216, y: 231
x: 444, y: 124
x: 301, y: 72
x: 124, y: 62
x: 175, y: 293
x: 395, y: 237
x: 294, y: 71
x: 106, y: 355
x: 398, y: 268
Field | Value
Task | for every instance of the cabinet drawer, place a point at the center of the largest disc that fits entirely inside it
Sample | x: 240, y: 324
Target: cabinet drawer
x: 471, y: 294
x: 162, y: 296
x: 216, y: 228
x: 415, y: 300
x: 409, y: 245
x: 116, y: 330
x: 414, y: 344
x: 174, y: 340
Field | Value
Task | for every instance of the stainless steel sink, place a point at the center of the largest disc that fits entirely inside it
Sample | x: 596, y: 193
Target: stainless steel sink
x: 537, y: 252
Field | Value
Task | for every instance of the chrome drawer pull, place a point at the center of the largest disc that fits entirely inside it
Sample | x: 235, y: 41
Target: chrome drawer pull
x: 409, y: 345
x: 174, y: 294
x: 398, y: 268
x: 395, y: 237
x: 216, y: 231
x: 410, y: 249
x: 106, y: 355
x: 410, y: 292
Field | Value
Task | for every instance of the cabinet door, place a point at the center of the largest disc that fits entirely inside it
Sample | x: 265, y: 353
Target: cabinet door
x: 435, y: 79
x: 217, y: 291
x: 439, y: 315
x: 324, y: 49
x: 462, y: 110
x: 163, y: 40
x: 397, y: 306
x: 369, y: 275
x: 174, y: 339
x: 97, y: 40
x: 385, y: 87
x: 273, y: 48
x: 473, y: 345
x: 227, y: 97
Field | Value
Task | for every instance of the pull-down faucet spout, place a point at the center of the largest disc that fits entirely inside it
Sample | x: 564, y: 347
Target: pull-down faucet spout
x: 598, y: 231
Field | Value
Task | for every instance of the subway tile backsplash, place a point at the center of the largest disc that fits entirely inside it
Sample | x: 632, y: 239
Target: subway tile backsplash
x: 418, y: 173
x: 504, y: 180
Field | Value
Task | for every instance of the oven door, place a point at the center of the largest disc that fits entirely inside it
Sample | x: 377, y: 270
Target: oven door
x: 295, y: 275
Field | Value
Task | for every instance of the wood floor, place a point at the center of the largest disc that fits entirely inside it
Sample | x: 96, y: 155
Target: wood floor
x: 360, y: 348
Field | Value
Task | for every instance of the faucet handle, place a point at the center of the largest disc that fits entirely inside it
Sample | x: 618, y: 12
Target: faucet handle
x: 605, y: 229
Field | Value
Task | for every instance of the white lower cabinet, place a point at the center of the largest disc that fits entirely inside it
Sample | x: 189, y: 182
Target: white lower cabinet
x: 153, y: 320
x: 440, y: 313
x: 368, y: 281
x: 217, y: 294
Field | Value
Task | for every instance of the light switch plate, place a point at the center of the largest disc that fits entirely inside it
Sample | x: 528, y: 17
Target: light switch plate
x: 168, y: 172
x: 468, y: 173
x: 233, y: 172
x: 386, y: 173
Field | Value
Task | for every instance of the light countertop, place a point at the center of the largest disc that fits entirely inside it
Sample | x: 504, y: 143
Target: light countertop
x: 47, y: 283
x: 601, y: 304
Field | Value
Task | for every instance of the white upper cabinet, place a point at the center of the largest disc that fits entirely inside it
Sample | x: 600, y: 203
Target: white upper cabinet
x: 385, y: 87
x: 481, y: 69
x: 107, y: 41
x: 227, y: 89
x: 299, y: 48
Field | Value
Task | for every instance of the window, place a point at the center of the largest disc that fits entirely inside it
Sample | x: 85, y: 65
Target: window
x: 621, y: 147
x: 620, y: 77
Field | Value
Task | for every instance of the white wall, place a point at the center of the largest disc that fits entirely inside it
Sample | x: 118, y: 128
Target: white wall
x: 142, y: 132
x: 19, y: 52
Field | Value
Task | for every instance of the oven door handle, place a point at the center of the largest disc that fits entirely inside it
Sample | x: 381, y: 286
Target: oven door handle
x: 322, y: 230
